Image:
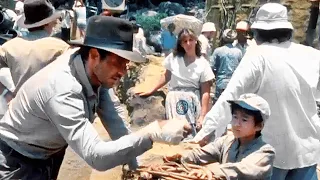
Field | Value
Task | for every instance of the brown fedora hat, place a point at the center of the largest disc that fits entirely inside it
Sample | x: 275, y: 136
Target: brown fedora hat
x: 111, y: 34
x: 37, y: 13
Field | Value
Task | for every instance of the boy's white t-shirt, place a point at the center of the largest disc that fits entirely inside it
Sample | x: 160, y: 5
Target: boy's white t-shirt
x: 191, y: 76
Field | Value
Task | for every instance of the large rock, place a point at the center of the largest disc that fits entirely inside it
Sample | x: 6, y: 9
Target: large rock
x: 147, y: 109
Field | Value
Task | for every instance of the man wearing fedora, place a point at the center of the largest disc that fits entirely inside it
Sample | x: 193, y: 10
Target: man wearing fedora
x: 286, y: 75
x: 39, y: 51
x: 39, y: 17
x: 55, y: 107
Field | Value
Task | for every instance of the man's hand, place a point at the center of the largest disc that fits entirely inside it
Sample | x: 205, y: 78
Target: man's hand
x: 167, y: 131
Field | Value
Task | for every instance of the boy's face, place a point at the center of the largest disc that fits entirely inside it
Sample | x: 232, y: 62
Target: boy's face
x: 243, y: 126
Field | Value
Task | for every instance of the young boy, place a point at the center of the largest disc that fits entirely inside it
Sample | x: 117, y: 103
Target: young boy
x: 242, y: 155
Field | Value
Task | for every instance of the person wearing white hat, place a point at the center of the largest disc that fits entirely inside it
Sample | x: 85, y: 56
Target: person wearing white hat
x: 242, y: 154
x: 276, y: 71
x: 224, y: 61
x: 208, y: 32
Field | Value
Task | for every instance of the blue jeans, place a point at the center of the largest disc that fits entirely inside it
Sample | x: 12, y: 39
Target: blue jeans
x: 307, y: 173
x: 14, y: 165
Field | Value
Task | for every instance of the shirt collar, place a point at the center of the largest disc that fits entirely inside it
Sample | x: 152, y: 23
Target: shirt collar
x: 34, y: 35
x: 82, y: 76
x: 236, y: 144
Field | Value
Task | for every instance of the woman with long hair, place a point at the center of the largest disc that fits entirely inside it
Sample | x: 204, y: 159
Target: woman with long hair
x: 190, y: 77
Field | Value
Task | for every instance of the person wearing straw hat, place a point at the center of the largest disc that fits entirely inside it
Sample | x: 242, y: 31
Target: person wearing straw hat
x: 275, y: 70
x: 52, y: 114
x: 39, y: 18
x: 224, y: 61
x: 208, y: 32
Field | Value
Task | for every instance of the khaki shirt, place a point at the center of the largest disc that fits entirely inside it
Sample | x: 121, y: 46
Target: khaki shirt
x: 249, y: 162
x: 36, y: 55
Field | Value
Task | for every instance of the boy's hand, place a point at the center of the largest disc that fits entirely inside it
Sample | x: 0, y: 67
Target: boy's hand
x: 175, y: 157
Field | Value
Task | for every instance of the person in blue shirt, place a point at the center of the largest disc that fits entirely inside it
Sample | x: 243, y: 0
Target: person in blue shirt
x: 224, y: 61
x: 168, y: 39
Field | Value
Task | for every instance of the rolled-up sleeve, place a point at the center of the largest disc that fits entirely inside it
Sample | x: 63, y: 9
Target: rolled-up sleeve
x: 246, y: 79
x: 66, y: 112
x: 257, y: 165
x: 210, y: 153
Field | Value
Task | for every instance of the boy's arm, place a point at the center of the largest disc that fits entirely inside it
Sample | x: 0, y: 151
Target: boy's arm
x: 208, y: 154
x: 257, y: 165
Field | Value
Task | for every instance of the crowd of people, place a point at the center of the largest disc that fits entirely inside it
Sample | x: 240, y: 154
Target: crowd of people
x: 266, y: 87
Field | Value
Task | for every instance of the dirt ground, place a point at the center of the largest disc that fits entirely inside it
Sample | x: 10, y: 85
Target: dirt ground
x: 74, y: 168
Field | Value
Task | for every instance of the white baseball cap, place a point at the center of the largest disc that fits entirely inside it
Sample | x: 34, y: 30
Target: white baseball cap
x: 242, y: 25
x: 208, y: 27
x: 272, y: 16
x: 254, y: 102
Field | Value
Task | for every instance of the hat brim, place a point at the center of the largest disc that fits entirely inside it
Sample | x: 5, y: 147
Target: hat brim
x: 129, y: 55
x: 20, y: 22
x: 244, y: 105
x: 263, y: 25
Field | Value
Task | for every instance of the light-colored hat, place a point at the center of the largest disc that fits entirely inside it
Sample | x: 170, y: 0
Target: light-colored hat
x: 19, y: 6
x: 254, y: 102
x: 229, y: 35
x: 37, y: 13
x: 242, y: 25
x: 208, y: 27
x: 272, y: 16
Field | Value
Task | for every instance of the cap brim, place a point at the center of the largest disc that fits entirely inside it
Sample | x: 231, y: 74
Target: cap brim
x: 129, y: 55
x: 244, y: 105
x: 271, y: 25
x: 20, y: 22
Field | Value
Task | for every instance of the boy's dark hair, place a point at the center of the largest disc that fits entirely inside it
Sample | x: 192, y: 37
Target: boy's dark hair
x: 258, y: 120
x: 281, y: 35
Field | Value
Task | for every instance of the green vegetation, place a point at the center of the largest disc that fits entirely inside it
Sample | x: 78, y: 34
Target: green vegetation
x: 150, y: 23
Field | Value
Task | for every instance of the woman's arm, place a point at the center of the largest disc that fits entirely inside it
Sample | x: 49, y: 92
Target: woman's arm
x: 165, y: 78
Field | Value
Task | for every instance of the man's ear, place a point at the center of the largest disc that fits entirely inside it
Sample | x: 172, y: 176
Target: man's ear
x: 94, y: 55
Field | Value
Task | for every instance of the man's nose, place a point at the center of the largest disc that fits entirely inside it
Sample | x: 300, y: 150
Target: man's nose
x: 122, y: 71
